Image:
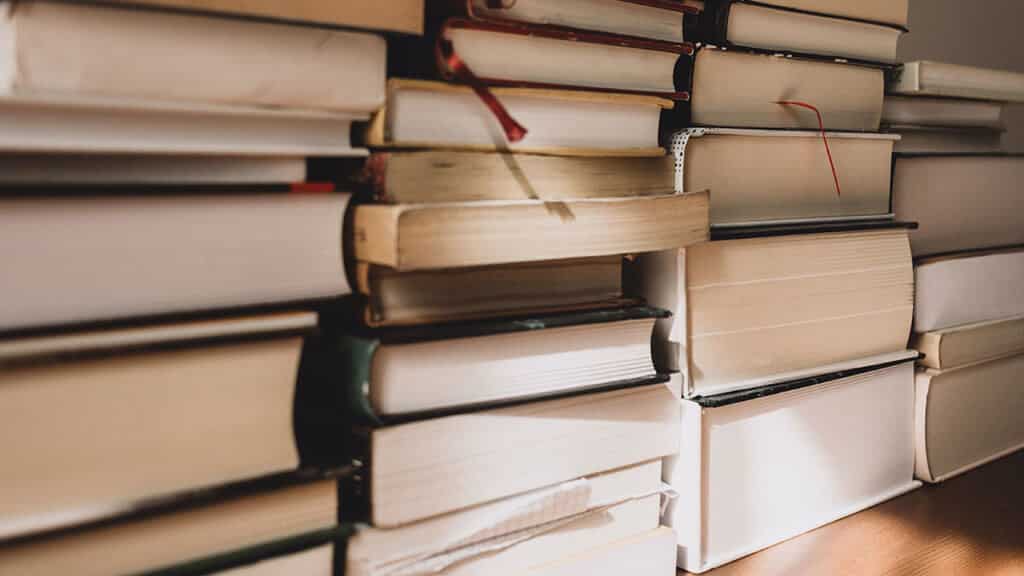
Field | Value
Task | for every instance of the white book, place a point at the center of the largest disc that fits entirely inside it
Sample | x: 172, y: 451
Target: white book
x: 755, y: 471
x: 317, y: 561
x: 961, y: 202
x: 754, y: 311
x: 967, y: 289
x: 892, y: 12
x: 649, y: 554
x: 968, y: 416
x: 87, y: 49
x: 77, y: 259
x: 140, y: 169
x: 514, y: 534
x: 954, y: 80
x: 942, y: 112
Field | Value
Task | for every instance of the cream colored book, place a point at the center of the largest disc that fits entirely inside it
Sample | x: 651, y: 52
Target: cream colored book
x: 777, y: 176
x: 511, y: 535
x: 424, y: 114
x: 942, y: 79
x: 391, y: 15
x: 929, y: 140
x: 649, y: 554
x: 756, y: 25
x: 941, y: 112
x: 187, y: 532
x: 739, y: 89
x: 968, y: 288
x: 431, y: 467
x: 953, y: 347
x: 88, y: 50
x: 759, y: 468
x: 453, y: 235
x: 894, y: 12
x: 756, y: 311
x: 143, y: 412
x: 962, y: 202
x: 968, y: 416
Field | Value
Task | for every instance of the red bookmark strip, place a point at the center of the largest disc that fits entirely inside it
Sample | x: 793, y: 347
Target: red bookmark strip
x: 821, y: 127
x: 311, y: 187
x: 514, y: 131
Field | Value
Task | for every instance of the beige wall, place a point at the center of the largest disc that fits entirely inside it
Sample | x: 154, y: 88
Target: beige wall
x: 975, y: 32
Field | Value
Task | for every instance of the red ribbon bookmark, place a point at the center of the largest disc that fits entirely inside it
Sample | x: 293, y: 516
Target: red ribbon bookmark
x: 514, y: 131
x: 821, y: 127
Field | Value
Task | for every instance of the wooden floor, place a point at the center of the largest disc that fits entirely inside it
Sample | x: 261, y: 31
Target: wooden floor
x: 971, y: 525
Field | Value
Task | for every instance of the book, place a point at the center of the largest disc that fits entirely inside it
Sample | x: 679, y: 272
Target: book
x: 942, y: 112
x: 79, y: 170
x: 962, y: 202
x: 761, y: 467
x: 932, y: 140
x: 748, y: 312
x: 470, y: 47
x: 424, y: 114
x: 892, y: 12
x: 69, y: 124
x: 405, y: 16
x: 317, y: 561
x: 112, y: 404
x: 220, y: 529
x: 426, y: 176
x: 417, y: 370
x: 435, y: 296
x: 967, y: 288
x: 762, y: 26
x: 967, y: 416
x: 460, y: 234
x: 203, y: 60
x: 657, y: 20
x: 430, y: 467
x: 650, y: 553
x: 147, y: 255
x: 954, y: 80
x: 737, y: 89
x: 512, y: 535
x: 949, y: 348
x: 764, y: 176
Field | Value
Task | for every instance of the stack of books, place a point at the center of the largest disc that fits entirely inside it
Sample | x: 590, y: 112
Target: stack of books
x: 791, y: 325
x: 968, y: 318
x: 946, y: 108
x: 163, y: 255
x: 493, y: 378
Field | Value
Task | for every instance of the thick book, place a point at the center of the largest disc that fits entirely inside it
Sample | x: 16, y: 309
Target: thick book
x: 425, y: 114
x: 663, y: 20
x: 239, y: 528
x: 962, y: 202
x: 143, y: 412
x: 148, y: 255
x: 431, y: 296
x: 92, y: 51
x: 891, y: 12
x: 732, y: 88
x: 948, y: 348
x: 759, y: 25
x: 968, y: 416
x: 649, y: 553
x: 935, y: 140
x: 461, y: 234
x: 466, y: 46
x: 512, y: 535
x: 758, y: 468
x: 957, y: 81
x: 754, y: 311
x: 425, y: 176
x: 409, y: 372
x: 942, y: 112
x: 776, y: 176
x: 968, y: 288
x: 425, y: 468
x: 404, y: 16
